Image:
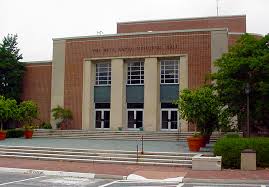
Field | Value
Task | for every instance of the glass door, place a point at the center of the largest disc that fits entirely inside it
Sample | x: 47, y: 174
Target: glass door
x: 135, y: 118
x: 169, y: 119
x: 102, y: 117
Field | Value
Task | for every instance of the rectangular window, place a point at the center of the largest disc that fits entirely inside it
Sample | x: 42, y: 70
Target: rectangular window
x: 103, y: 73
x: 169, y: 71
x: 135, y: 72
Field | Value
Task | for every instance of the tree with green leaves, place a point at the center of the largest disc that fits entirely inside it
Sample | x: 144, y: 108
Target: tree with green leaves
x: 61, y: 115
x: 8, y: 110
x: 27, y: 112
x: 203, y: 108
x: 11, y: 69
x: 246, y: 63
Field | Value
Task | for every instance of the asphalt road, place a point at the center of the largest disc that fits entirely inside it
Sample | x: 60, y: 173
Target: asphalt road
x: 221, y: 185
x: 35, y: 180
x: 31, y: 180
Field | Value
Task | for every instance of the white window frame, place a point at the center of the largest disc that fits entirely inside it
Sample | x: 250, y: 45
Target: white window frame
x: 108, y: 74
x: 175, y: 71
x: 169, y: 117
x: 102, y: 116
x: 140, y: 75
x: 134, y: 110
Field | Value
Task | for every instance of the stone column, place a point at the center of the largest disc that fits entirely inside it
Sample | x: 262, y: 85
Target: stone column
x: 151, y: 95
x: 57, y: 77
x: 88, y: 95
x: 118, y: 94
x: 183, y: 83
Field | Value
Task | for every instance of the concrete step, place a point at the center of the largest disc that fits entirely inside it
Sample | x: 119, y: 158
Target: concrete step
x: 114, y: 132
x: 100, y: 156
x: 99, y: 161
x: 119, y: 138
x: 118, y: 135
x: 116, y: 158
x: 96, y: 154
x: 89, y: 155
x: 127, y: 134
x: 34, y: 148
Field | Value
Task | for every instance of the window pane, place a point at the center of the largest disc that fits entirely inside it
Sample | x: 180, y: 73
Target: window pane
x: 131, y: 120
x: 169, y: 71
x: 135, y: 82
x: 106, y: 119
x: 164, y: 119
x: 98, y: 119
x: 139, y: 119
x: 103, y: 82
x: 103, y: 73
x: 135, y: 72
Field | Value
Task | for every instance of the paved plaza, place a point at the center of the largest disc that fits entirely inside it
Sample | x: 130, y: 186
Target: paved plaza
x: 127, y: 145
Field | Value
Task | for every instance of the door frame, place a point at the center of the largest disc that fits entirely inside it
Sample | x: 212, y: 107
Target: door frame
x: 102, y: 116
x: 169, y: 122
x: 135, y: 109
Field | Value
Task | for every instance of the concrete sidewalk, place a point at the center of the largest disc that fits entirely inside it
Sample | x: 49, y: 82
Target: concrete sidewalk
x: 150, y: 172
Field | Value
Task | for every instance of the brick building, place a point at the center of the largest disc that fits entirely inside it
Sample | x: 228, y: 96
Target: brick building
x: 130, y: 79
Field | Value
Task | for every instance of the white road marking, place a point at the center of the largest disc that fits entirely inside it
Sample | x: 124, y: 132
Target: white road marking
x: 2, y: 184
x: 68, y: 181
x: 172, y: 185
x: 215, y: 184
x: 148, y: 182
x: 108, y: 184
x: 180, y: 185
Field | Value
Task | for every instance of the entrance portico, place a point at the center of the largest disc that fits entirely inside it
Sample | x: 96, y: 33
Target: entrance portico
x: 133, y: 93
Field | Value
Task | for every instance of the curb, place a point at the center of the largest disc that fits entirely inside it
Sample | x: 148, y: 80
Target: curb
x: 226, y: 181
x: 62, y: 173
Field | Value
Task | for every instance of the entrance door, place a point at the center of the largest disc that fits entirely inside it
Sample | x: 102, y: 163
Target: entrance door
x: 102, y: 117
x: 135, y: 118
x: 169, y: 119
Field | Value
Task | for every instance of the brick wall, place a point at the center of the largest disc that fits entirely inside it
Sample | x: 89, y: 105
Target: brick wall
x: 233, y: 38
x: 196, y: 44
x: 37, y: 87
x: 233, y: 23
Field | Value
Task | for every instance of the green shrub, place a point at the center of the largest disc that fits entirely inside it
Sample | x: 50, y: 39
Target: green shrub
x: 230, y: 149
x: 46, y: 125
x: 15, y: 133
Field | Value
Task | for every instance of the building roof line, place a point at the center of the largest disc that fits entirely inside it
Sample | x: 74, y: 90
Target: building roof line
x: 241, y: 33
x: 38, y: 62
x: 180, y: 19
x: 141, y: 33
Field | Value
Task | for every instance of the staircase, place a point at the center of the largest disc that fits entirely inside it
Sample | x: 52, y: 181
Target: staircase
x: 98, y: 156
x: 118, y: 135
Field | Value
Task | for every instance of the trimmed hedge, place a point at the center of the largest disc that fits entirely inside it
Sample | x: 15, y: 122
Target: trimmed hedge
x: 15, y: 133
x: 230, y: 149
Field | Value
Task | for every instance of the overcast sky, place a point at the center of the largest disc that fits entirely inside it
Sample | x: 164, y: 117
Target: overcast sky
x: 38, y: 21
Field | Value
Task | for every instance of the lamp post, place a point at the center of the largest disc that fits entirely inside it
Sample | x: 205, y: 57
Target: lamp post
x: 247, y: 91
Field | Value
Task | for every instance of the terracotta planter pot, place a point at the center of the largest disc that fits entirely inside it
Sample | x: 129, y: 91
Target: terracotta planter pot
x: 3, y: 135
x: 28, y: 134
x: 195, y: 143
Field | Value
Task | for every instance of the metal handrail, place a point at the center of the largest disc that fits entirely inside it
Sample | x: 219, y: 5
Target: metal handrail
x: 137, y: 152
x: 142, y: 148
